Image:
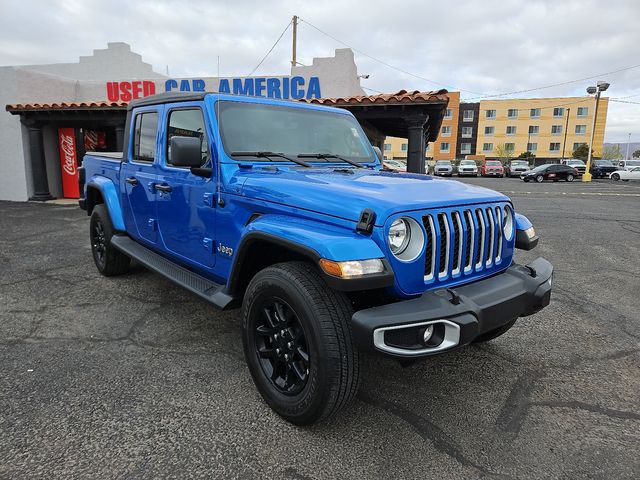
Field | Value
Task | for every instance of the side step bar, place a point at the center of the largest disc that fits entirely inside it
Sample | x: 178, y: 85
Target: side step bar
x: 203, y: 287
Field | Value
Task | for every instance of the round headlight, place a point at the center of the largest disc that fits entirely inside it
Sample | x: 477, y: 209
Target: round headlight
x: 507, y: 223
x: 399, y: 236
x: 406, y: 239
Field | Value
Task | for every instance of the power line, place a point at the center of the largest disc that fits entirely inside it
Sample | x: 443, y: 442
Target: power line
x: 385, y: 63
x: 451, y: 87
x: 623, y: 101
x: 271, y: 49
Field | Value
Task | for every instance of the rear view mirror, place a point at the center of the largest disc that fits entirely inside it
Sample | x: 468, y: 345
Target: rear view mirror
x: 378, y: 153
x: 186, y: 151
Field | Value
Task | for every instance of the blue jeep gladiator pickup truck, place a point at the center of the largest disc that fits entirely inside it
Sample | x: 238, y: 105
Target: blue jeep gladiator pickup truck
x: 283, y: 208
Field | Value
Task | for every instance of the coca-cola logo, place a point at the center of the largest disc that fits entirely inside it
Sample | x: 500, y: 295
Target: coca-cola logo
x: 67, y: 148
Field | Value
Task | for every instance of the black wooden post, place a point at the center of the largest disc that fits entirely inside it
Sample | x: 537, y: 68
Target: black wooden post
x: 119, y: 137
x: 415, y: 149
x: 38, y: 164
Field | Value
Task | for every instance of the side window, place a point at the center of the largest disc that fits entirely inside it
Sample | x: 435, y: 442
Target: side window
x: 144, y: 140
x: 188, y: 123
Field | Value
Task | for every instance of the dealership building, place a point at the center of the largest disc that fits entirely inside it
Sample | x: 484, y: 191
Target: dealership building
x: 55, y: 113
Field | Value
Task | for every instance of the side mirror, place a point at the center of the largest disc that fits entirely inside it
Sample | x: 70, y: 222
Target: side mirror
x: 186, y: 151
x: 378, y: 153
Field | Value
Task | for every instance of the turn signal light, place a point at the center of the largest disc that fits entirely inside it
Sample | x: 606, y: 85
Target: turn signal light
x: 352, y: 268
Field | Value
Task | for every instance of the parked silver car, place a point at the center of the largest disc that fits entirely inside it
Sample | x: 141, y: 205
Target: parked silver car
x: 443, y: 168
x: 517, y: 168
x: 467, y: 167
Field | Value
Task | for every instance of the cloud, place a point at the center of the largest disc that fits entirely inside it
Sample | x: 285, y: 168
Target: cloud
x: 491, y: 46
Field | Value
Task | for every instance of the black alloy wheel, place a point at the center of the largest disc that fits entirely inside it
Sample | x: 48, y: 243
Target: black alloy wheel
x: 281, y: 346
x: 108, y: 260
x: 98, y: 243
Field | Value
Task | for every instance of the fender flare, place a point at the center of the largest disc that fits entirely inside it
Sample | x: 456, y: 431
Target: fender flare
x: 109, y: 193
x: 303, y: 239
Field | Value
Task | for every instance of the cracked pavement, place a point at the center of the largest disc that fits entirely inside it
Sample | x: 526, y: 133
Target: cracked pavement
x: 134, y: 377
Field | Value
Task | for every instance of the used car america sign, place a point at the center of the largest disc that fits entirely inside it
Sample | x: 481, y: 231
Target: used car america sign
x: 271, y: 87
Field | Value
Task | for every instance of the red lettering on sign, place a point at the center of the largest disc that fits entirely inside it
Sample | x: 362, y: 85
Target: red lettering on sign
x: 127, y: 91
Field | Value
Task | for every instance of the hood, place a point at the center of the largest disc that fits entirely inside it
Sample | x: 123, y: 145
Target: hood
x: 344, y: 194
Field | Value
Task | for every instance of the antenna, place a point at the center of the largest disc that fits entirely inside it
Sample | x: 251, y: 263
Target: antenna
x: 218, y: 168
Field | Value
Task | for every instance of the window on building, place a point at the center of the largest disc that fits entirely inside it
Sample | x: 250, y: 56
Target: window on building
x: 581, y: 129
x: 558, y: 112
x: 467, y: 132
x: 144, y: 143
x: 467, y: 116
x: 577, y: 145
x: 534, y: 129
x: 512, y: 113
x: 554, y: 147
x: 188, y: 123
x: 487, y: 147
x: 490, y: 113
x: 444, y: 147
x: 510, y: 146
x: 511, y: 130
x: 404, y: 146
x: 387, y: 147
x: 535, y: 113
x: 556, y: 129
x: 532, y: 147
x: 447, y: 114
x: 465, y: 148
x: 446, y: 130
x: 489, y: 130
x: 583, y: 111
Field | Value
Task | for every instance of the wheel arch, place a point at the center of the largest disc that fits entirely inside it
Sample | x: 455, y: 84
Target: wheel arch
x: 103, y: 190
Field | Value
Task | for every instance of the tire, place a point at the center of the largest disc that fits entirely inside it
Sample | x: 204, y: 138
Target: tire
x: 317, y: 320
x: 569, y: 178
x: 615, y: 176
x: 526, y: 180
x: 108, y: 260
x: 539, y: 178
x: 491, y: 334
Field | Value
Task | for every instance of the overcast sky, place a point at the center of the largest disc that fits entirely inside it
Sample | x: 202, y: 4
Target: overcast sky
x: 488, y: 46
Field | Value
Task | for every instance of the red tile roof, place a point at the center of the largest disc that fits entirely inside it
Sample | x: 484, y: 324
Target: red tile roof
x: 401, y: 97
x: 22, y: 107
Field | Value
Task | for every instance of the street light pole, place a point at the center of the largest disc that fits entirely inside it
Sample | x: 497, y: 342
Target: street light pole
x: 566, y: 127
x: 628, y: 142
x: 598, y: 89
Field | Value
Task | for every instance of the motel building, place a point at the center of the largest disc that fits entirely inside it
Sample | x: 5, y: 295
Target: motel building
x: 55, y: 113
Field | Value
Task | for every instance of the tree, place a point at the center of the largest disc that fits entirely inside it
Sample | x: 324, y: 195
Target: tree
x: 636, y: 154
x: 582, y: 152
x: 527, y: 155
x: 503, y: 153
x: 611, y: 152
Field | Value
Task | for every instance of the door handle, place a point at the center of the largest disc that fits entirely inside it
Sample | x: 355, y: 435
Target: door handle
x: 131, y: 180
x: 164, y: 188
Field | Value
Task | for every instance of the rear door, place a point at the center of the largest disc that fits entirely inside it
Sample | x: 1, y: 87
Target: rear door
x: 139, y: 172
x: 186, y: 206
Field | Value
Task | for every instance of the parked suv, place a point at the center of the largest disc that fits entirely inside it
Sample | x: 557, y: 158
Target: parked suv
x: 467, y: 167
x: 628, y: 164
x: 282, y: 208
x: 602, y: 168
x: 515, y: 168
x: 576, y: 163
x: 492, y: 168
x: 443, y: 168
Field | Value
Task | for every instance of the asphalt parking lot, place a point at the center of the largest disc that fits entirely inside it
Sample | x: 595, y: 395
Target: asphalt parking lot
x: 134, y: 377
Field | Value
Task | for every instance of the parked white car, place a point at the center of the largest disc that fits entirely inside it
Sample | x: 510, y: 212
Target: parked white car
x: 632, y: 174
x: 628, y: 164
x: 444, y: 168
x: 467, y: 167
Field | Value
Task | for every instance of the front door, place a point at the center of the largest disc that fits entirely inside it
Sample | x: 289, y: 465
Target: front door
x: 186, y: 204
x: 139, y: 172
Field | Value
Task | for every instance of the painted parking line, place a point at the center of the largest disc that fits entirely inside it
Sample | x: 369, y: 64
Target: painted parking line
x: 593, y: 194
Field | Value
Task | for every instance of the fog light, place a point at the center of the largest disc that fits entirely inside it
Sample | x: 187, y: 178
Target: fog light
x: 428, y: 333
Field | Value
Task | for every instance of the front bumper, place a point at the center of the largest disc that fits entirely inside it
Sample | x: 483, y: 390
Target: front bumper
x: 456, y: 315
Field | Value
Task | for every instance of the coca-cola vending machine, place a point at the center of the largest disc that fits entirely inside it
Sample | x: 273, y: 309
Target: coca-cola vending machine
x: 68, y: 162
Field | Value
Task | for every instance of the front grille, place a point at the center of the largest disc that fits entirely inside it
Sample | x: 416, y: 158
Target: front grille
x: 462, y: 241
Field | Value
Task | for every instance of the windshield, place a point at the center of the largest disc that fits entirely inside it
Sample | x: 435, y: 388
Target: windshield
x: 253, y: 127
x: 603, y: 163
x: 443, y: 163
x: 633, y: 163
x: 540, y: 168
x: 575, y: 162
x: 468, y: 163
x: 494, y: 163
x: 519, y: 163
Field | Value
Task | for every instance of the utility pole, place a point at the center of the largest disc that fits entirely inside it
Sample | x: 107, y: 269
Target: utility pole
x: 294, y: 61
x: 628, y: 142
x: 566, y: 128
x: 597, y: 90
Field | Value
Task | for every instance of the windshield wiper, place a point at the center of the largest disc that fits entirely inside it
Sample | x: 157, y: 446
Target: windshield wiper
x: 324, y: 156
x: 268, y: 156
